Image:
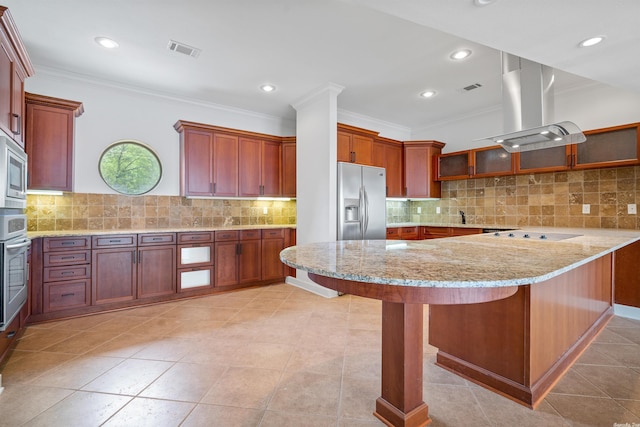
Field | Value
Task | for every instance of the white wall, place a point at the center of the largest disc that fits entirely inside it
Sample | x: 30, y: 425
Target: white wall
x: 590, y: 107
x: 114, y: 113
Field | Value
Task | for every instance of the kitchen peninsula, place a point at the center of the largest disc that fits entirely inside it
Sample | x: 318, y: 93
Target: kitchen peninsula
x: 509, y: 314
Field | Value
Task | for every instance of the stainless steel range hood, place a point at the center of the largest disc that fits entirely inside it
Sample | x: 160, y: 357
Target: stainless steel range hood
x: 527, y: 97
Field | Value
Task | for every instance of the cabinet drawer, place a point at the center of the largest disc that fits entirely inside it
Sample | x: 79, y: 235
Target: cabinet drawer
x: 435, y: 232
x: 273, y: 234
x: 156, y: 239
x: 205, y: 236
x: 250, y: 235
x: 393, y: 233
x: 222, y: 236
x: 7, y: 336
x: 114, y: 241
x: 409, y: 233
x: 52, y: 259
x: 195, y: 255
x: 195, y: 278
x: 51, y: 244
x: 56, y: 274
x: 61, y: 296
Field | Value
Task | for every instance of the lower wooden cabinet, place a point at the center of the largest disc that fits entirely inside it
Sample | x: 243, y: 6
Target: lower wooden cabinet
x: 77, y: 275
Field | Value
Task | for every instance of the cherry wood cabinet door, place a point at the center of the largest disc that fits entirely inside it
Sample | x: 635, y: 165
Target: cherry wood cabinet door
x: 250, y: 167
x: 492, y: 161
x: 226, y: 263
x: 270, y: 168
x: 17, y: 103
x: 225, y: 165
x: 545, y: 160
x: 272, y: 267
x: 156, y: 271
x: 289, y: 169
x: 614, y: 146
x: 249, y: 261
x: 114, y: 275
x: 197, y: 159
x: 454, y: 165
x: 49, y: 142
x: 6, y: 70
x: 362, y: 148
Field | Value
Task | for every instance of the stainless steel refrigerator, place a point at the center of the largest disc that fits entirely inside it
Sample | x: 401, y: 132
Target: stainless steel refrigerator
x: 362, y: 207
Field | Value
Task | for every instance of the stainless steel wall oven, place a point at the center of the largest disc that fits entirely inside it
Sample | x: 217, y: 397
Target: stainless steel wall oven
x: 14, y: 269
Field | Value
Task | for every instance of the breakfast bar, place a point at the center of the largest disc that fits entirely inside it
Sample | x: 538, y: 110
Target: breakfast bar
x: 510, y: 314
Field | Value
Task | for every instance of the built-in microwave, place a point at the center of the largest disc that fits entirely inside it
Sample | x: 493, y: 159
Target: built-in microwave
x: 13, y: 175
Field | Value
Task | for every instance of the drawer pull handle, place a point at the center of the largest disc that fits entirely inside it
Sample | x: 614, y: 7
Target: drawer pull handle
x: 157, y: 238
x: 67, y: 257
x: 67, y: 243
x: 68, y: 273
x: 11, y: 334
x: 115, y: 241
x: 68, y: 295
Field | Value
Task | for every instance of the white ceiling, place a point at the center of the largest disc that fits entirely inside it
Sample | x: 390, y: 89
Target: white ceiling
x: 384, y: 52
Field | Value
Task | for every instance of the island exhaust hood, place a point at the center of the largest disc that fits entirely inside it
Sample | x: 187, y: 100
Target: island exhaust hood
x: 527, y: 97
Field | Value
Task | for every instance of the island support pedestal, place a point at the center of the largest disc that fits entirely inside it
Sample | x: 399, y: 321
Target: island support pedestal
x: 401, y: 401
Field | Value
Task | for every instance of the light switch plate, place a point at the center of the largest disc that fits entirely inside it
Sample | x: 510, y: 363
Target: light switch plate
x: 631, y: 209
x: 264, y: 210
x: 419, y: 209
x: 586, y: 208
x: 437, y: 209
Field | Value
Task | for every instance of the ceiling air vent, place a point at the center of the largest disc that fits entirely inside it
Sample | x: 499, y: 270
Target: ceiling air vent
x: 183, y: 48
x: 472, y: 87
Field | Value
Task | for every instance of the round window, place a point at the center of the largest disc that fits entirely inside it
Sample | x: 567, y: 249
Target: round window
x: 130, y: 167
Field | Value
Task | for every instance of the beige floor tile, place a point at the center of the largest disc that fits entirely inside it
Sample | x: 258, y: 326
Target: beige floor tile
x: 211, y: 351
x: 365, y: 338
x: 28, y: 366
x: 20, y: 403
x: 365, y: 321
x: 630, y: 405
x: 632, y: 334
x: 277, y: 332
x: 617, y: 382
x: 37, y: 340
x: 187, y: 382
x: 609, y: 336
x: 81, y: 408
x: 454, y: 405
x: 358, y: 398
x: 574, y: 383
x: 307, y: 393
x: 327, y: 362
x: 77, y: 372
x: 363, y: 362
x: 156, y: 326
x: 82, y: 323
x: 244, y: 388
x: 263, y: 355
x: 434, y: 374
x: 265, y: 303
x: 170, y: 349
x: 200, y: 313
x: 591, y: 356
x: 82, y: 342
x: 149, y: 311
x: 141, y: 412
x: 125, y: 345
x: 212, y: 415
x: 286, y: 419
x: 348, y: 422
x: 119, y: 324
x: 626, y: 354
x: 196, y: 329
x: 249, y: 318
x: 591, y: 411
x: 129, y: 377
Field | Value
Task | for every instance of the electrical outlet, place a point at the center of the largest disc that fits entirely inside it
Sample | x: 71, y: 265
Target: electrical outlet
x: 631, y: 209
x: 586, y: 208
x: 264, y: 210
x: 437, y: 209
x: 419, y: 209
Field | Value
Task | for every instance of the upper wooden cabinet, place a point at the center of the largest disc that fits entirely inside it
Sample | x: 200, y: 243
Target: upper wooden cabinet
x: 15, y: 67
x: 49, y: 141
x: 476, y: 163
x: 289, y: 167
x: 222, y: 162
x: 387, y: 154
x: 260, y: 168
x: 419, y: 169
x: 355, y: 145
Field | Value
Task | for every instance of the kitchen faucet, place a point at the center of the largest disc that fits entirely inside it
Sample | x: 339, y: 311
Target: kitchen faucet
x: 464, y: 220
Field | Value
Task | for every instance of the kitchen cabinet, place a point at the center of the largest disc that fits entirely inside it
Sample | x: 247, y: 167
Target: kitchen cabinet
x: 476, y: 163
x: 403, y: 233
x: 238, y: 257
x: 613, y: 146
x: 355, y: 145
x: 49, y: 141
x: 429, y: 232
x: 195, y: 261
x: 208, y: 162
x: 289, y: 167
x: 66, y: 273
x: 259, y: 167
x: 273, y: 242
x: 627, y: 275
x: 387, y: 154
x: 113, y: 269
x: 419, y: 171
x: 156, y: 265
x: 15, y: 67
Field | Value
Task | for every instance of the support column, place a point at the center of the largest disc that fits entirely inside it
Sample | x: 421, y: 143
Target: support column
x: 316, y: 180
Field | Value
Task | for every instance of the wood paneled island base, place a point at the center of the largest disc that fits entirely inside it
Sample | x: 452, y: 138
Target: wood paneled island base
x: 401, y: 403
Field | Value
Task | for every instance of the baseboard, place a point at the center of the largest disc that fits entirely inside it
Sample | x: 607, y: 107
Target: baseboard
x: 626, y: 311
x: 312, y: 287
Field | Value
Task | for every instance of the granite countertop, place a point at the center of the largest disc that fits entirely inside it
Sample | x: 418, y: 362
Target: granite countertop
x: 456, y: 225
x: 63, y: 233
x: 480, y: 260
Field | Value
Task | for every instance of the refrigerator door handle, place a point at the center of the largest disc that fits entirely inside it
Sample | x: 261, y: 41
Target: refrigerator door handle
x: 362, y: 213
x: 366, y: 211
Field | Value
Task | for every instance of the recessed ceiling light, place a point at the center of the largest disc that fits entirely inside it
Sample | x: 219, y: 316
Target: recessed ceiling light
x: 106, y: 42
x: 268, y: 88
x: 460, y: 54
x: 592, y: 41
x: 483, y: 2
x: 428, y: 94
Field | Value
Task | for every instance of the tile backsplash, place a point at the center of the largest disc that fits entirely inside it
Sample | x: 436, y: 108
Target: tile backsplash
x: 86, y: 211
x: 545, y: 199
